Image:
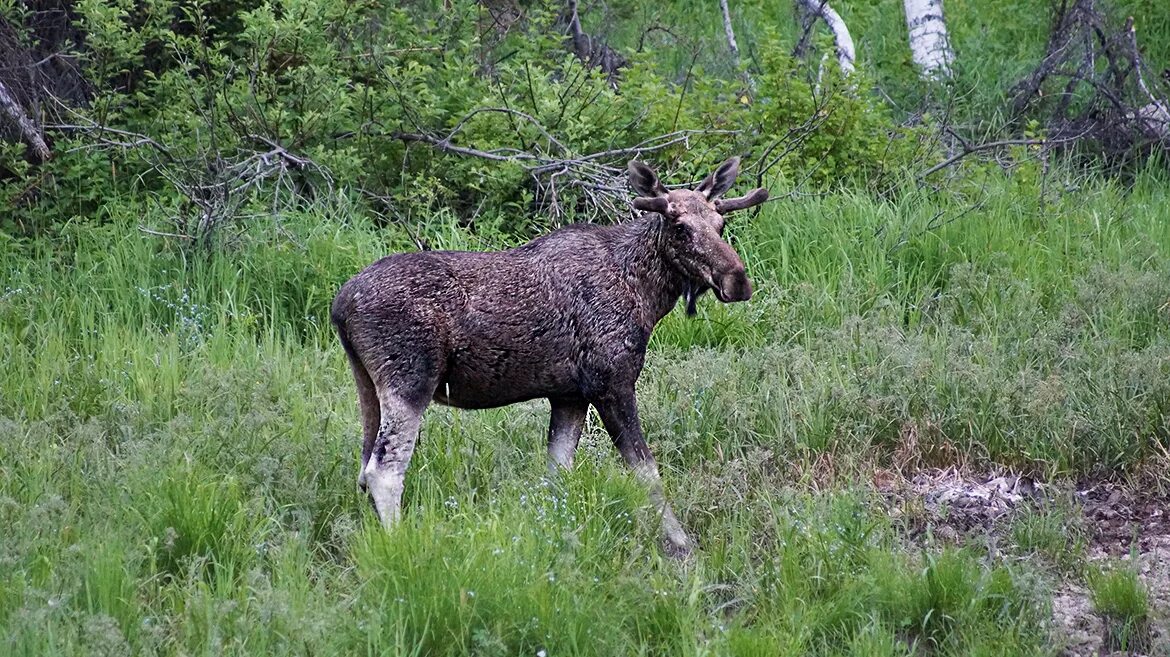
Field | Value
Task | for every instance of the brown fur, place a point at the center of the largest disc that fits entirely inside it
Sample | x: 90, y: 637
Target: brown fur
x: 565, y: 317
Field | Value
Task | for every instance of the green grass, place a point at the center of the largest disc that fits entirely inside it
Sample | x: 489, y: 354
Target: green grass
x: 1054, y: 531
x: 1121, y: 599
x: 181, y: 438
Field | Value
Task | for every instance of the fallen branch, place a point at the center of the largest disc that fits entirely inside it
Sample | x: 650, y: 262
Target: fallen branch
x: 214, y: 184
x: 27, y: 130
x: 1093, y: 81
x: 969, y: 149
x: 1155, y: 116
x: 599, y: 177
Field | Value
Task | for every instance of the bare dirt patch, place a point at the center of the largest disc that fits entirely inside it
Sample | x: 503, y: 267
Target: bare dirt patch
x: 1120, y: 519
x: 949, y: 504
x: 1120, y: 524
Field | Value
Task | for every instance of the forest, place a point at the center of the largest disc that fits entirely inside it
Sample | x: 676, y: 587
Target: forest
x: 940, y: 426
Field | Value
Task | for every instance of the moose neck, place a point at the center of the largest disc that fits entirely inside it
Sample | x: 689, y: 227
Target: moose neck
x: 657, y: 282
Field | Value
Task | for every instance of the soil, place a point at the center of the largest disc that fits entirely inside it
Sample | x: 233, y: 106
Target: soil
x: 1121, y: 524
x: 1118, y: 518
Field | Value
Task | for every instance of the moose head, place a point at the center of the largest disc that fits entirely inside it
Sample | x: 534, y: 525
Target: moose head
x: 695, y: 220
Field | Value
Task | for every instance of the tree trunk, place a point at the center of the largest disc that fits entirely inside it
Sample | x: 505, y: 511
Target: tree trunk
x: 729, y: 31
x: 846, y: 54
x: 929, y: 43
x: 24, y: 126
x: 591, y: 50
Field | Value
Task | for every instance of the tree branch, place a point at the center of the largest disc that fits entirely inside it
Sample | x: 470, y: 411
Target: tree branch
x: 599, y: 177
x: 24, y: 126
x: 970, y: 150
x: 729, y: 31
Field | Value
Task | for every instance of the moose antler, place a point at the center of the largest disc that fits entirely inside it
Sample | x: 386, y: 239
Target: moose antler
x: 754, y: 197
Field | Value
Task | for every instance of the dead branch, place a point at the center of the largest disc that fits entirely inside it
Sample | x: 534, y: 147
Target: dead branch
x: 214, y: 184
x: 971, y: 149
x: 33, y: 66
x: 1093, y: 82
x: 591, y: 50
x: 27, y: 130
x: 598, y: 179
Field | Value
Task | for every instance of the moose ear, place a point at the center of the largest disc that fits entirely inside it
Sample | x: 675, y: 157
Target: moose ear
x: 717, y: 184
x: 644, y: 181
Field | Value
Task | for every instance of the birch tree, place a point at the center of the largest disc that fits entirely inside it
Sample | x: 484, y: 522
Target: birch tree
x: 729, y: 31
x: 846, y: 53
x: 929, y: 43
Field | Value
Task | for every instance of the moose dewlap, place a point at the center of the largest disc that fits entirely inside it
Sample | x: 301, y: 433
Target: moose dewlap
x: 565, y: 317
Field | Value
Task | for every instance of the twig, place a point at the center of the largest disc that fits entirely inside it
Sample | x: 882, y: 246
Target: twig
x: 969, y: 150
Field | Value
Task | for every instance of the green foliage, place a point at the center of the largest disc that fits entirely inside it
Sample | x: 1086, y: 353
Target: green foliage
x: 850, y: 137
x: 1120, y: 595
x: 336, y: 82
x: 948, y: 596
x: 181, y: 439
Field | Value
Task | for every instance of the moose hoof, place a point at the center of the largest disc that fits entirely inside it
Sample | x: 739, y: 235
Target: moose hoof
x: 676, y: 547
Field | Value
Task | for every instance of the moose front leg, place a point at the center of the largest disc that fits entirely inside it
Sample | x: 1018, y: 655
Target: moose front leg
x: 619, y: 414
x: 564, y: 431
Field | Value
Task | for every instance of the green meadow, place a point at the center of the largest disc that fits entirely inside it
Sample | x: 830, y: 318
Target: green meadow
x: 181, y: 441
x: 179, y: 431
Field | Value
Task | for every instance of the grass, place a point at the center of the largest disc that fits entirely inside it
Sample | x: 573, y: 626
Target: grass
x: 1121, y: 599
x: 1054, y: 531
x: 177, y: 474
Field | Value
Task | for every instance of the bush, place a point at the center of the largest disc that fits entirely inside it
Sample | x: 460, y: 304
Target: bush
x: 230, y: 111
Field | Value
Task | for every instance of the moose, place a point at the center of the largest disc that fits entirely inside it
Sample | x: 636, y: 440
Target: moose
x: 566, y: 317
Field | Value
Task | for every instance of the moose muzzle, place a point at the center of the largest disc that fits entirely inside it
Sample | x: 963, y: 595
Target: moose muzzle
x: 733, y: 286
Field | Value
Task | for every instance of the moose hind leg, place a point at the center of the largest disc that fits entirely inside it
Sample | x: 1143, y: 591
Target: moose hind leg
x: 385, y: 468
x: 371, y: 415
x: 619, y: 414
x: 564, y: 431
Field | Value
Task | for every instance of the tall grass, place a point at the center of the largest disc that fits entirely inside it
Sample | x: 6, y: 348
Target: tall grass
x: 180, y: 440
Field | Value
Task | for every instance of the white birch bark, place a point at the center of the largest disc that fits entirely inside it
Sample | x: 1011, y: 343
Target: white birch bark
x: 929, y: 43
x: 729, y: 31
x: 846, y: 53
